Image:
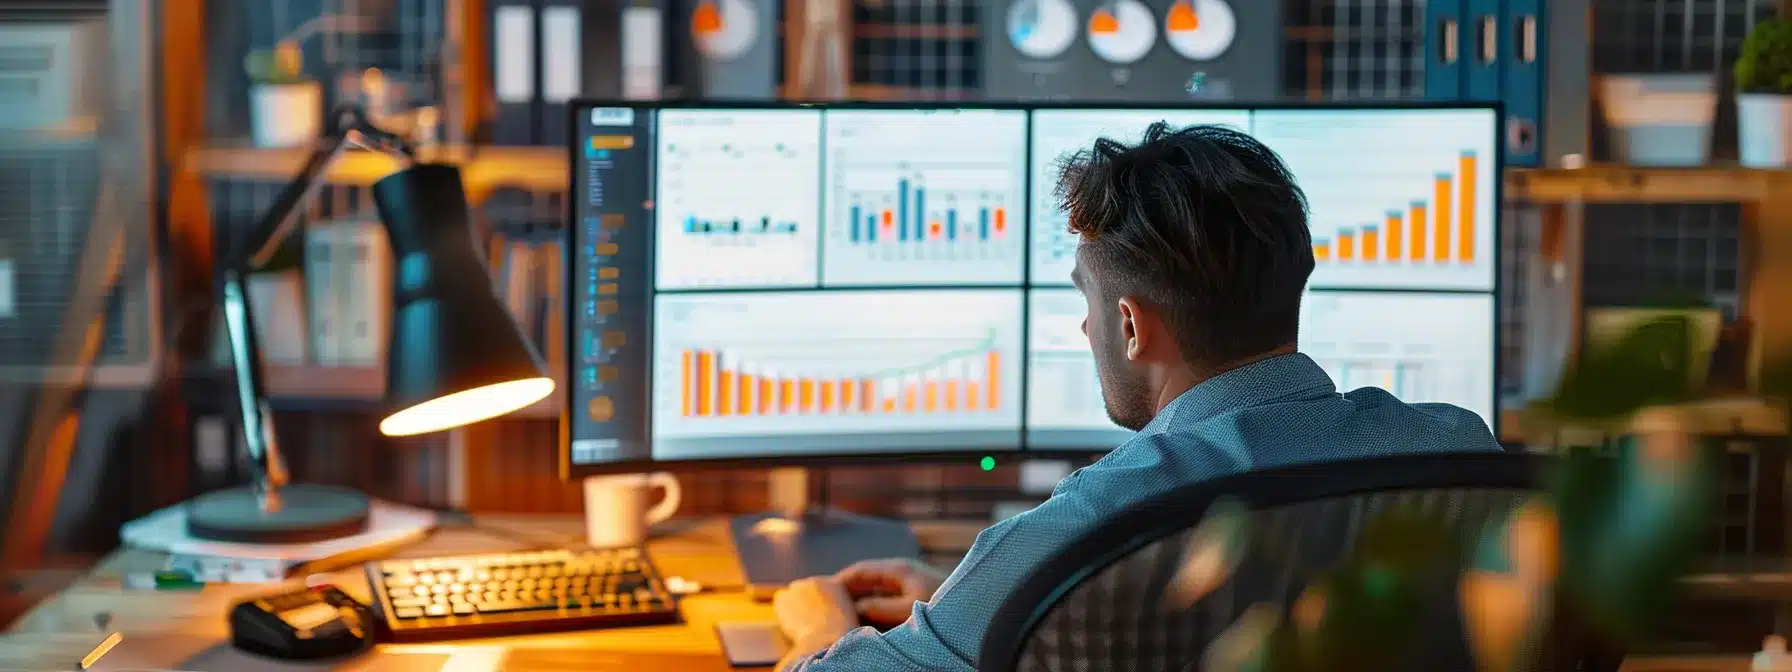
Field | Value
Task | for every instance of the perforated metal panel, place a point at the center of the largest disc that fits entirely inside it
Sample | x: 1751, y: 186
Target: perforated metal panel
x: 1354, y: 49
x: 1646, y: 253
x: 402, y: 38
x: 1671, y: 35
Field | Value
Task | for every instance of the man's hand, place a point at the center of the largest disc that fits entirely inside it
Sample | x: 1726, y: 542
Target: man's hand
x: 887, y: 590
x: 814, y: 613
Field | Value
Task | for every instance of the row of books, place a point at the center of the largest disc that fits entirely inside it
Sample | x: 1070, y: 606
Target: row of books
x: 335, y: 309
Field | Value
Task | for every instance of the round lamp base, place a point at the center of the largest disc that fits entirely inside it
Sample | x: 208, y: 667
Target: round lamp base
x: 309, y: 513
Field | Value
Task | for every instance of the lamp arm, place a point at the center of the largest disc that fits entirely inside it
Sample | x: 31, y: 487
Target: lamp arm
x: 349, y: 127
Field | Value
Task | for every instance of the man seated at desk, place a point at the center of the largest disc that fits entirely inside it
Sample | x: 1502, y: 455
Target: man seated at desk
x: 1194, y: 255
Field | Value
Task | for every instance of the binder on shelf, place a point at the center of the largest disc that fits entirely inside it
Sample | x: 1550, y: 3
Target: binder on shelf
x: 1443, y: 49
x: 1525, y: 83
x: 561, y: 60
x: 364, y: 293
x: 1485, y: 55
x: 320, y: 292
x: 515, y: 72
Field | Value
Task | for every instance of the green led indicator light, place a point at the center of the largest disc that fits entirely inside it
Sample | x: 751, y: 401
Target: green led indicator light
x: 988, y: 463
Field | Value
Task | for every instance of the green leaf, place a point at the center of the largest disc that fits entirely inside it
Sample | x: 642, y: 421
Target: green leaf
x: 1651, y: 365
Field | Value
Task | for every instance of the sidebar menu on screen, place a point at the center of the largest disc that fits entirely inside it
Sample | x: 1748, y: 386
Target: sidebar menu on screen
x: 612, y: 296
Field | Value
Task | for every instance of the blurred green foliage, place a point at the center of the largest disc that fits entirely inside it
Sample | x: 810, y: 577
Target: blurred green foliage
x: 1765, y: 63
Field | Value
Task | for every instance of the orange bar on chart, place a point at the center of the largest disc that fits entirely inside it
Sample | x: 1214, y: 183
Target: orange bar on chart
x: 931, y: 398
x: 827, y: 396
x: 909, y: 394
x: 725, y: 393
x: 1416, y: 213
x: 995, y: 380
x: 743, y: 396
x: 1440, y: 215
x: 889, y: 220
x: 1322, y: 251
x: 1346, y: 246
x: 706, y: 376
x: 934, y: 230
x: 889, y: 405
x: 786, y: 395
x: 1465, y: 226
x: 952, y: 394
x: 806, y: 395
x: 765, y: 397
x: 1396, y: 243
x: 1001, y: 220
x: 972, y: 400
x: 847, y: 388
x: 1371, y: 243
x: 685, y: 368
x: 867, y: 395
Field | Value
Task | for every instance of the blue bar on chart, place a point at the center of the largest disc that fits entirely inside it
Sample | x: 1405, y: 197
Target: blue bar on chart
x: 902, y: 208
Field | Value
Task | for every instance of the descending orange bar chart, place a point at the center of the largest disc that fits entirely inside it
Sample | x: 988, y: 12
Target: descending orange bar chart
x: 1398, y: 199
x: 940, y: 362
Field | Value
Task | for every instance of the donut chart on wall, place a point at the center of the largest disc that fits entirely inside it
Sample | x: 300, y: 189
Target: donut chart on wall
x: 723, y: 30
x: 1122, y: 32
x: 1200, y: 30
x: 1041, y: 29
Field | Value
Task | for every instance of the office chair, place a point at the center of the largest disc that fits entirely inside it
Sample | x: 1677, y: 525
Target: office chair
x: 1105, y: 603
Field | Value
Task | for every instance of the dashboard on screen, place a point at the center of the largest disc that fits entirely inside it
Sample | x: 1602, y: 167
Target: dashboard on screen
x: 801, y: 282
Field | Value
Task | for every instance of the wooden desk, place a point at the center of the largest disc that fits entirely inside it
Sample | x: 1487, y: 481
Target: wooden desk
x: 62, y: 629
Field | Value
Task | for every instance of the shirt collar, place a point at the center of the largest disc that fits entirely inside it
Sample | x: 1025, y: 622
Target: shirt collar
x: 1279, y: 378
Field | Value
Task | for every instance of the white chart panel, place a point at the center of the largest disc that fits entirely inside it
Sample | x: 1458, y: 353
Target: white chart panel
x: 1419, y: 347
x: 865, y: 364
x: 924, y: 197
x: 1059, y: 133
x: 1400, y: 199
x: 737, y: 198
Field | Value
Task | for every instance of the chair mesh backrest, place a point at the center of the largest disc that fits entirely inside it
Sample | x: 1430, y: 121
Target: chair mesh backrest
x: 1118, y: 618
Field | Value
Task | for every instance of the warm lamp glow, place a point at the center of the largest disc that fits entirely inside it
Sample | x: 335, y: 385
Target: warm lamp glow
x: 466, y: 407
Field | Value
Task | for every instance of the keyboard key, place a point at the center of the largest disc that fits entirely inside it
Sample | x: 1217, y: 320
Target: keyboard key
x: 408, y: 612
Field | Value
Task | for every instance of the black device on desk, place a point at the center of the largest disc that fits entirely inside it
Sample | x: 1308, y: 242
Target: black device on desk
x: 518, y: 593
x: 309, y: 624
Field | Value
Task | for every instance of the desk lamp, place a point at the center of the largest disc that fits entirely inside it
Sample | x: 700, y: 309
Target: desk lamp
x: 455, y: 356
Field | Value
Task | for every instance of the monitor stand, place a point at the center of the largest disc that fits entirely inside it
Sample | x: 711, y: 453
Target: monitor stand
x: 803, y: 538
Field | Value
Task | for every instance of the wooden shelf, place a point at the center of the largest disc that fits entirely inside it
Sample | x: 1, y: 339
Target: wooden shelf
x: 538, y: 169
x: 303, y: 385
x: 1634, y: 184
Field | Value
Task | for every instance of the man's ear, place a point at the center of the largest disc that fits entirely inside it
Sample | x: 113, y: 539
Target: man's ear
x: 1131, y: 328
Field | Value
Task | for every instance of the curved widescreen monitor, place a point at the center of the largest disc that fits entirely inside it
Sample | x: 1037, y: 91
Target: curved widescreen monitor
x: 802, y: 283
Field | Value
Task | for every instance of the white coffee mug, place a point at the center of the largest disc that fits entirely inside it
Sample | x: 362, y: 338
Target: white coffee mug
x: 616, y: 507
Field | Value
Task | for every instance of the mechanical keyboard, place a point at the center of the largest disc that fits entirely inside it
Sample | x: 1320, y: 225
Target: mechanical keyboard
x: 501, y: 594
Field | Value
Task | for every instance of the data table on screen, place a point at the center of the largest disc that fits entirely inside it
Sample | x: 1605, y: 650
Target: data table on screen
x: 933, y: 197
x: 1420, y: 347
x: 1057, y: 134
x: 738, y: 194
x: 849, y: 368
x: 1400, y: 199
x: 1065, y: 408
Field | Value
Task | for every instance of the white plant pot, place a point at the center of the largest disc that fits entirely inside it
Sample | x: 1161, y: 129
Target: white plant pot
x: 285, y: 115
x: 1764, y: 130
x: 1660, y: 119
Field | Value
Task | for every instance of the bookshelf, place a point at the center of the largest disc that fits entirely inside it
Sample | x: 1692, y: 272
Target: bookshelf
x: 306, y: 386
x: 1605, y: 183
x: 484, y: 169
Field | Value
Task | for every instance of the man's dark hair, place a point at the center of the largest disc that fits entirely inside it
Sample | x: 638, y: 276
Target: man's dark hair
x: 1206, y: 223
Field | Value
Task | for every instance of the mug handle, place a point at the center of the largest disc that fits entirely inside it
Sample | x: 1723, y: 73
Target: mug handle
x: 669, y: 504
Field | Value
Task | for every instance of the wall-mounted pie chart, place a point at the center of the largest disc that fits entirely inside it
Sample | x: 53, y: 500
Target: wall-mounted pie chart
x: 723, y: 30
x: 1200, y: 30
x: 1041, y: 28
x: 1122, y: 32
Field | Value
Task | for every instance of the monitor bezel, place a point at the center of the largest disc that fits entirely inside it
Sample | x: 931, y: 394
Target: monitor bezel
x: 577, y: 108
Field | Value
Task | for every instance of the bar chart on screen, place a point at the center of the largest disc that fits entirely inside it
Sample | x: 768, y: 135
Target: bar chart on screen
x: 737, y: 194
x: 1419, y: 347
x: 924, y: 197
x: 836, y: 362
x: 1400, y: 199
x: 1065, y: 407
x: 1059, y: 133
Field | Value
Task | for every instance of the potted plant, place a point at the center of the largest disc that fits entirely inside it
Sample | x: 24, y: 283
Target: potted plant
x: 285, y: 107
x: 1764, y: 95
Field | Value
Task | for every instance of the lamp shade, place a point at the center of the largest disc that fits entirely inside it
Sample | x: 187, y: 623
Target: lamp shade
x: 456, y: 356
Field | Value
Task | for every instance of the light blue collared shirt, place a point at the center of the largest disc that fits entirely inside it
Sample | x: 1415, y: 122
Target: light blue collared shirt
x: 1277, y: 412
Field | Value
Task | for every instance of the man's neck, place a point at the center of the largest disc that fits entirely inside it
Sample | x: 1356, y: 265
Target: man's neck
x: 1185, y: 378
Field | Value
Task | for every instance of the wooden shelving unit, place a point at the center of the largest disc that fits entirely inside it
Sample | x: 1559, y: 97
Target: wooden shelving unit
x: 1633, y: 184
x: 541, y: 169
x: 300, y: 385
